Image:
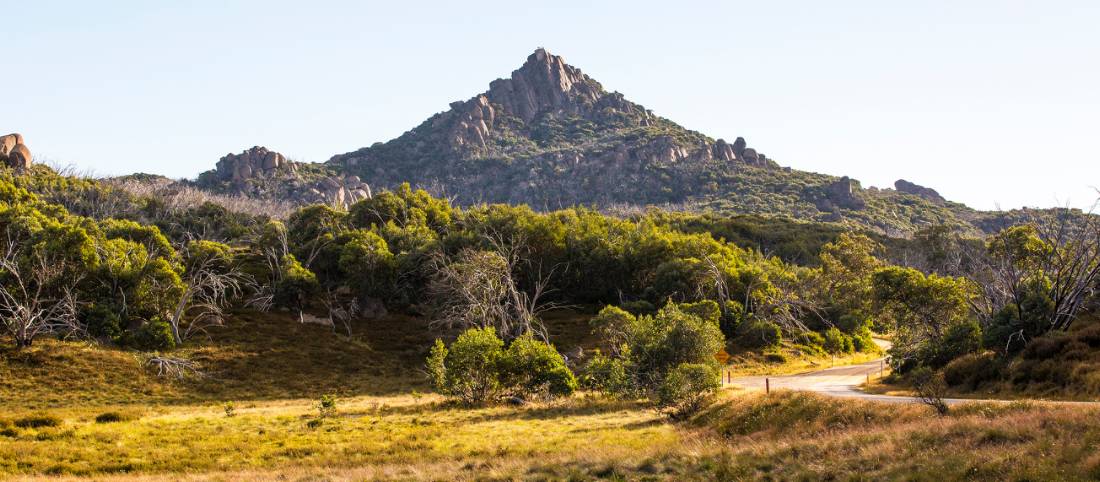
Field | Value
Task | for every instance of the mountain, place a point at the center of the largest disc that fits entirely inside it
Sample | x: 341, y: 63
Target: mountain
x: 551, y: 136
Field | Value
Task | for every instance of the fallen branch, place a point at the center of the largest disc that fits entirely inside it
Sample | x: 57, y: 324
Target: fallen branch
x: 168, y: 367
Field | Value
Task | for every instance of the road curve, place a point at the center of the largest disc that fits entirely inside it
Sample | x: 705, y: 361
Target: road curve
x: 842, y: 381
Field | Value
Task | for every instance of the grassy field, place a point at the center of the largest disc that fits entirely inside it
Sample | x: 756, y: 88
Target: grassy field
x: 782, y: 436
x: 72, y: 410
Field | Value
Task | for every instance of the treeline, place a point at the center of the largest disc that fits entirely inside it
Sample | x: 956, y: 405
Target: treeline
x: 147, y: 271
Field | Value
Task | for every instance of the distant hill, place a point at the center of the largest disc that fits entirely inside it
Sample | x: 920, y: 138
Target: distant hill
x: 551, y: 136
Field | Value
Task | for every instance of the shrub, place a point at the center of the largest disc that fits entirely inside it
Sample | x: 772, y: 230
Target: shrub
x: 154, y: 334
x: 532, y: 367
x: 38, y: 420
x: 733, y: 315
x: 663, y: 342
x: 863, y: 343
x: 103, y: 322
x: 606, y: 374
x: 706, y: 309
x: 930, y: 388
x: 109, y: 417
x: 811, y: 338
x: 687, y: 389
x: 837, y: 342
x: 230, y: 409
x: 468, y: 369
x: 971, y: 370
x: 760, y: 334
x: 326, y: 407
x: 614, y: 326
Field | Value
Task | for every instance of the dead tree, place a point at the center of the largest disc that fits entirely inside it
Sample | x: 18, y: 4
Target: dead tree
x: 479, y: 288
x: 37, y: 297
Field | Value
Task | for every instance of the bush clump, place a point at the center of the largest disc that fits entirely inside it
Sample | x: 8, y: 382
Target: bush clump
x: 477, y: 369
x: 972, y: 370
x: 760, y: 334
x: 605, y: 374
x: 38, y: 420
x: 687, y: 389
x: 837, y: 342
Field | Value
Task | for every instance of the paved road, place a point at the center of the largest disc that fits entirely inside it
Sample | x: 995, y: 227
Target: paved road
x: 842, y: 381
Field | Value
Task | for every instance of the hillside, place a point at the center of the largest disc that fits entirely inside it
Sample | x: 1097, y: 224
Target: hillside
x: 550, y: 136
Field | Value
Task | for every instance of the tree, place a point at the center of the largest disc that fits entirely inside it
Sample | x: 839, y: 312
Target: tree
x: 479, y: 289
x: 36, y: 297
x: 922, y: 308
x: 366, y: 263
x: 847, y: 266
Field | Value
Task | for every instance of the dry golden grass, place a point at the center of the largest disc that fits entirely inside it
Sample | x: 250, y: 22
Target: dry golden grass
x: 755, y: 364
x: 275, y: 370
x: 745, y: 436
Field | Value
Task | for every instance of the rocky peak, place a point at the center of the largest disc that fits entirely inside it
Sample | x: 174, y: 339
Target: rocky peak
x: 925, y: 192
x: 544, y: 83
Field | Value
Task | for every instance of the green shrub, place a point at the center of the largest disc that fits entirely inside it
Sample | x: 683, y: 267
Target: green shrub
x: 760, y: 334
x: 606, y: 374
x: 661, y: 343
x: 38, y: 420
x: 154, y: 334
x: 687, y: 389
x: 468, y: 369
x: 733, y: 315
x: 532, y: 367
x: 837, y: 342
x: 103, y: 322
x: 706, y: 309
x: 863, y: 343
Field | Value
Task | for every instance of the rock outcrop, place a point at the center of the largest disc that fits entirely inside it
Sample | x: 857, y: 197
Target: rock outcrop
x: 253, y: 163
x: 842, y: 193
x: 14, y: 153
x: 545, y: 83
x: 260, y: 171
x: 901, y: 185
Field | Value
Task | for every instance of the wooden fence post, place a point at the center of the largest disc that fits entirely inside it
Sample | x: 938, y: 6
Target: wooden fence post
x: 767, y: 385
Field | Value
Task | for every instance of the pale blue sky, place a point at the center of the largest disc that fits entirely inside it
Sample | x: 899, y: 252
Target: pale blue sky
x: 990, y: 102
